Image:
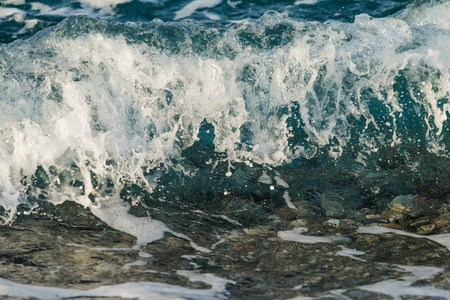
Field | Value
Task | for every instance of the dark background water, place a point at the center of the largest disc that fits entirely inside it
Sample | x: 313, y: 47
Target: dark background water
x: 14, y: 26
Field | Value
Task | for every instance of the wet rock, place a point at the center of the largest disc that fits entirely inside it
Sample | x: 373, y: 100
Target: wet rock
x: 287, y: 214
x: 18, y: 298
x: 410, y: 297
x: 439, y: 281
x: 442, y: 224
x: 340, y: 205
x: 333, y: 222
x: 420, y: 222
x: 410, y: 203
x: 306, y: 209
x: 66, y: 246
x: 334, y: 208
x: 391, y: 248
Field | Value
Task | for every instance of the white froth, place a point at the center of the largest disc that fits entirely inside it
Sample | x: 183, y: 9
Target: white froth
x: 200, y: 248
x: 144, y: 254
x: 145, y: 229
x: 398, y: 288
x: 443, y: 239
x: 288, y: 199
x: 281, y: 182
x: 218, y: 243
x: 233, y: 4
x: 190, y: 257
x: 212, y: 16
x: 135, y: 290
x: 351, y: 253
x: 217, y: 283
x: 102, y: 3
x: 41, y: 7
x: 306, y: 2
x: 296, y: 235
x: 94, y: 8
x: 13, y: 2
x: 138, y: 263
x: 231, y: 220
x: 193, y: 6
x: 264, y: 178
x: 100, y: 249
x: 9, y: 11
x: 10, y: 200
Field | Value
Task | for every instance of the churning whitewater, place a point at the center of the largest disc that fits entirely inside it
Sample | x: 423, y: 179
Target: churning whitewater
x: 90, y: 105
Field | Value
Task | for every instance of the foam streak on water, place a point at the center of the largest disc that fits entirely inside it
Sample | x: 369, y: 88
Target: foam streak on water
x: 137, y: 290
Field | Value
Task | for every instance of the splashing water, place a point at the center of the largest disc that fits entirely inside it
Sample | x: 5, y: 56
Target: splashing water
x: 90, y: 106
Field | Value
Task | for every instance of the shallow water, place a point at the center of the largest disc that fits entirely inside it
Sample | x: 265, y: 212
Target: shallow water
x: 212, y: 122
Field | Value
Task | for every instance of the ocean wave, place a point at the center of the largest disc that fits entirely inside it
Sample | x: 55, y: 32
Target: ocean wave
x: 91, y: 105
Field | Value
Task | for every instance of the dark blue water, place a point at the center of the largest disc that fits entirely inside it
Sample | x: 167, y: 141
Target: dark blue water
x: 17, y: 16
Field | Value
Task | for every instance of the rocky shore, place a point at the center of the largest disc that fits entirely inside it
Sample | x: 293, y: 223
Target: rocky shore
x: 291, y: 256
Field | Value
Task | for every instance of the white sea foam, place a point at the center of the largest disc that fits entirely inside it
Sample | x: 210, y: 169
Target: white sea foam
x: 288, y: 199
x: 145, y: 254
x: 102, y: 3
x: 104, y: 9
x: 306, y: 2
x: 217, y: 283
x: 264, y: 178
x: 233, y: 4
x: 138, y: 263
x: 136, y: 290
x: 351, y: 253
x: 41, y: 7
x: 99, y: 249
x: 13, y: 2
x: 231, y: 220
x: 145, y: 229
x: 296, y: 235
x: 443, y: 239
x: 200, y: 248
x: 398, y: 288
x: 281, y: 182
x: 212, y: 16
x: 9, y: 11
x: 195, y: 5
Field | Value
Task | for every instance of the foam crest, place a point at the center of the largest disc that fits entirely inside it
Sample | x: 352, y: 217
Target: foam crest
x: 102, y: 3
x: 8, y: 11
